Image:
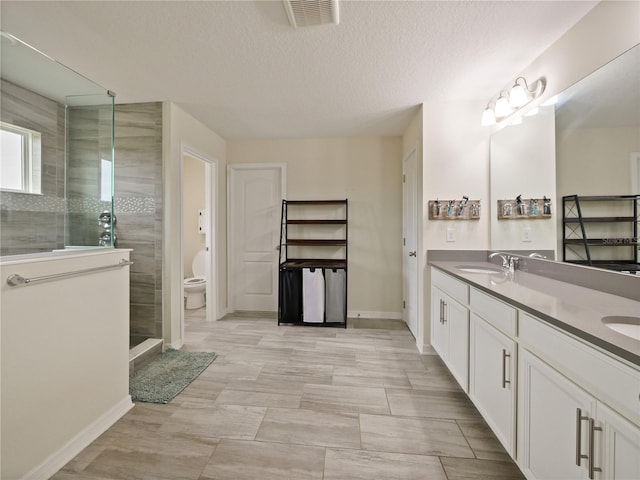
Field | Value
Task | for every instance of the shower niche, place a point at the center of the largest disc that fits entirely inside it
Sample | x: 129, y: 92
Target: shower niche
x: 56, y: 164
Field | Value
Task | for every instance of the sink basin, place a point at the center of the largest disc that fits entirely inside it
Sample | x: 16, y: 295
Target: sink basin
x: 478, y: 269
x: 629, y: 326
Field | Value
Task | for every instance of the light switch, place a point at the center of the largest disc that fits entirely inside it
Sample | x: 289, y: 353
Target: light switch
x: 526, y: 234
x: 451, y: 234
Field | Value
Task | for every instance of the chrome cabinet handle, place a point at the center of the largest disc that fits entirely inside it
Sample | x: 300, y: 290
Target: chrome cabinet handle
x: 444, y: 312
x: 505, y: 355
x: 579, y: 419
x: 441, y: 311
x: 592, y: 448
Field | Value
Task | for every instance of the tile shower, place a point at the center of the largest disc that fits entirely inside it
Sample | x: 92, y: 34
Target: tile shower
x: 37, y: 223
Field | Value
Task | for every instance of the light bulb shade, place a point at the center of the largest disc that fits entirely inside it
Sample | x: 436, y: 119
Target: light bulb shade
x: 518, y: 96
x: 488, y: 117
x: 502, y: 107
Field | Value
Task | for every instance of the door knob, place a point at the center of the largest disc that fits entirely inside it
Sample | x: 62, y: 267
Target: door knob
x: 412, y: 254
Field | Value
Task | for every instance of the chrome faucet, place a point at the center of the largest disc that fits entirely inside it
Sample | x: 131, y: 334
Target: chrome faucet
x: 509, y: 263
x: 505, y: 259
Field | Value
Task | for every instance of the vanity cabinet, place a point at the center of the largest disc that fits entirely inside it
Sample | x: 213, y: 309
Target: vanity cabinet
x: 566, y: 428
x: 450, y: 324
x: 492, y: 372
x: 562, y: 407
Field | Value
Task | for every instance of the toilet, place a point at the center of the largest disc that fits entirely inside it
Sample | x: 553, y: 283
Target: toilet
x: 195, y: 286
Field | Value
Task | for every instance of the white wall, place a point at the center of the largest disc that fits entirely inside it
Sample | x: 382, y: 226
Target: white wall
x: 65, y: 370
x: 367, y: 171
x: 180, y: 130
x: 194, y: 199
x: 455, y: 163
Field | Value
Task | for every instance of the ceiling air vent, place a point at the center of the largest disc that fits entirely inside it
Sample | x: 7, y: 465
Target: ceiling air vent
x: 304, y: 13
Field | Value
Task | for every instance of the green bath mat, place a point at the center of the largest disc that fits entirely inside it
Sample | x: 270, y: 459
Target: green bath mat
x: 166, y: 376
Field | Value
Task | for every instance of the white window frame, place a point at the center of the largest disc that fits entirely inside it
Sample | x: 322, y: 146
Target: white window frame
x: 31, y: 159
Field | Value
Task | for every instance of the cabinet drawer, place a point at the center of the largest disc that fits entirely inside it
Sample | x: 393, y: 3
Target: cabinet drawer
x: 455, y: 288
x: 494, y: 311
x: 606, y: 378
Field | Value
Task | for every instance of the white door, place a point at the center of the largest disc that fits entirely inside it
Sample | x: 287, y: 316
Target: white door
x: 410, y: 242
x: 552, y: 439
x: 457, y: 317
x: 256, y: 193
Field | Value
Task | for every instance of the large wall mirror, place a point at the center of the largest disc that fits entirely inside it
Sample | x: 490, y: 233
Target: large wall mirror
x: 594, y: 131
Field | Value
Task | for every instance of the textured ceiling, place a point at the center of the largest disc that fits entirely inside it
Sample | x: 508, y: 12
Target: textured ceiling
x: 241, y: 69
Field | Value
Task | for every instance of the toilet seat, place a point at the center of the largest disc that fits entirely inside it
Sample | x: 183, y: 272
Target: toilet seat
x: 194, y: 281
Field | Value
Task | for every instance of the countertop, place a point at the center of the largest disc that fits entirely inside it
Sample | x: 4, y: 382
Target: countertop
x: 577, y: 310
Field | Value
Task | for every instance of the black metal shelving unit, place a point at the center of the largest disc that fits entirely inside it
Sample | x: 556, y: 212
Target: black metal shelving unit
x: 305, y: 244
x: 597, y: 228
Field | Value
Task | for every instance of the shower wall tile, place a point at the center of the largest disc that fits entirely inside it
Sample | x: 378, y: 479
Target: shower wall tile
x: 138, y: 207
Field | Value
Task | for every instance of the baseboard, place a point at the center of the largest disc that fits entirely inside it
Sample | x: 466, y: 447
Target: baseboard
x: 73, y: 447
x: 384, y: 315
x: 177, y: 345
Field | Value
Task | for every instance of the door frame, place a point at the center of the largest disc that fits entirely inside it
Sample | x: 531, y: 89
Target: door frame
x: 211, y: 231
x: 232, y: 170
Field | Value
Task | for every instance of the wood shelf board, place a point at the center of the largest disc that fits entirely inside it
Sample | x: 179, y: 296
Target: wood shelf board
x: 314, y: 263
x: 291, y: 242
x: 316, y: 202
x: 602, y: 242
x: 602, y: 220
x: 315, y: 222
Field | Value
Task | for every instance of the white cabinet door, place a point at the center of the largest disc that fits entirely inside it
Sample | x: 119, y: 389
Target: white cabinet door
x: 457, y: 319
x: 492, y: 379
x: 551, y: 437
x: 450, y: 334
x: 617, y: 446
x: 439, y: 329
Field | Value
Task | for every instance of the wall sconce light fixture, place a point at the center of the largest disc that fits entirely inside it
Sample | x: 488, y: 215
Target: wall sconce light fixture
x: 509, y: 102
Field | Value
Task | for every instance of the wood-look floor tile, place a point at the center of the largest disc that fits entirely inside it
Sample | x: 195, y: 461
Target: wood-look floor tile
x: 343, y: 359
x: 259, y: 355
x: 371, y: 377
x: 291, y: 372
x: 474, y: 469
x: 310, y: 427
x: 482, y: 440
x: 258, y: 399
x: 126, y: 465
x: 433, y: 378
x: 337, y: 398
x: 433, y: 404
x: 219, y: 421
x: 267, y: 384
x: 224, y: 370
x: 247, y: 460
x: 419, y: 436
x: 365, y: 465
x: 393, y: 360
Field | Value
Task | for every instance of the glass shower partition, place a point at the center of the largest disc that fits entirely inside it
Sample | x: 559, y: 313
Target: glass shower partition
x: 56, y: 183
x: 89, y: 178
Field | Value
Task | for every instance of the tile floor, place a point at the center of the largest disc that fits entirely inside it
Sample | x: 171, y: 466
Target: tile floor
x: 302, y: 403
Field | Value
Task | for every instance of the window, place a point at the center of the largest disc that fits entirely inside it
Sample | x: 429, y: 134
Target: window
x: 106, y: 175
x: 20, y: 169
